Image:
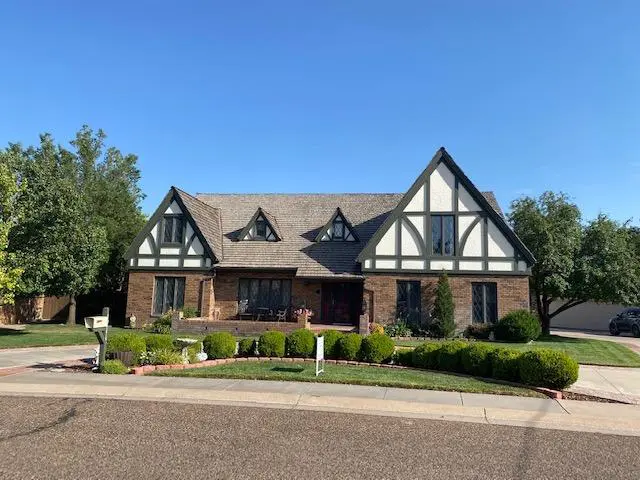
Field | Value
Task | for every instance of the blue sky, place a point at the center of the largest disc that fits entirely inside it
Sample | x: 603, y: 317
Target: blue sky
x: 338, y: 96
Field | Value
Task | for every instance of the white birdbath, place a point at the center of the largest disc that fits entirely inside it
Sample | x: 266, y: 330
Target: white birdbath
x: 184, y: 344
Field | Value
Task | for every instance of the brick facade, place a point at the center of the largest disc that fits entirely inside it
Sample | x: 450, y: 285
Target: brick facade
x: 217, y: 297
x: 380, y: 294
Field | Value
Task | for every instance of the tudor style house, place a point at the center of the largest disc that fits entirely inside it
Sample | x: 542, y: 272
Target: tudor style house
x: 248, y: 262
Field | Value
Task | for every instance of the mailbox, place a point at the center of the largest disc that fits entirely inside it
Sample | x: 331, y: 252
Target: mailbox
x: 96, y: 322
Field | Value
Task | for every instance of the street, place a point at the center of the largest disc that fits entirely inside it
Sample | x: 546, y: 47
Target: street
x: 87, y: 438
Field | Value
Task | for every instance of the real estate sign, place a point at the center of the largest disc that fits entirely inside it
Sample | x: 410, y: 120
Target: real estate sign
x: 319, y: 355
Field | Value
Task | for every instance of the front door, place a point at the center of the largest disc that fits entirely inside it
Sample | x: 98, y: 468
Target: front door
x: 341, y: 303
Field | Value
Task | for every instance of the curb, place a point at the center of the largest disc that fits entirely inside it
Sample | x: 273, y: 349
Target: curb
x: 554, y: 394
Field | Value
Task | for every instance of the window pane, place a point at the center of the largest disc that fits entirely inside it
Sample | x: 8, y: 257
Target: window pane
x: 338, y: 230
x: 243, y: 290
x: 158, y: 296
x: 477, y: 303
x: 401, y: 300
x: 169, y: 290
x: 491, y: 302
x: 261, y: 228
x: 179, y: 227
x: 168, y: 229
x: 179, y: 304
x: 449, y: 240
x: 286, y: 293
x: 436, y: 234
x: 263, y: 300
x: 253, y: 293
x: 275, y: 299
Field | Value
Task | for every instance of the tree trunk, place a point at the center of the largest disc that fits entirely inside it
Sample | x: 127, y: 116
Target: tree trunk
x: 71, y: 319
x: 545, y: 323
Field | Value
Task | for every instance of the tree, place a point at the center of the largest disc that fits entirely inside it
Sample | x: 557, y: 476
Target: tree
x: 574, y: 263
x: 443, y: 324
x: 9, y: 190
x: 109, y: 181
x: 56, y: 242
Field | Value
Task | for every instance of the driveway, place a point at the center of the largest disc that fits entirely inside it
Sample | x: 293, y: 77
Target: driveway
x: 24, y: 357
x: 615, y: 383
x: 625, y: 338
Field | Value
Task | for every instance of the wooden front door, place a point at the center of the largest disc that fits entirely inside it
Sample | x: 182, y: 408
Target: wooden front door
x: 341, y: 303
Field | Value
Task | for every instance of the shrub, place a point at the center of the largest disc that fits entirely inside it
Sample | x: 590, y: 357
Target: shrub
x: 126, y: 342
x: 219, y: 345
x: 548, y: 368
x: 190, y: 312
x: 398, y: 329
x: 376, y: 328
x: 476, y: 359
x: 479, y: 331
x: 332, y: 343
x: 377, y: 348
x: 272, y: 344
x: 426, y: 355
x: 158, y: 341
x: 505, y: 364
x: 165, y: 357
x: 404, y: 356
x: 350, y: 346
x: 518, y: 326
x: 443, y: 325
x: 115, y: 367
x: 247, y: 347
x: 193, y: 351
x: 300, y: 343
x: 449, y: 355
x: 162, y: 324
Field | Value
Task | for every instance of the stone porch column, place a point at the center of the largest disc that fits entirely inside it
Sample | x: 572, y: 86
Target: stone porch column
x: 207, y: 302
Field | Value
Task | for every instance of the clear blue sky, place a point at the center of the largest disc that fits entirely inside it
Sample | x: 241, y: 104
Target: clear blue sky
x: 338, y: 96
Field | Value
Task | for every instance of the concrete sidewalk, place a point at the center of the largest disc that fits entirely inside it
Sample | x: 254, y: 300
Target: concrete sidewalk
x: 467, y: 407
x: 615, y: 383
x: 20, y: 357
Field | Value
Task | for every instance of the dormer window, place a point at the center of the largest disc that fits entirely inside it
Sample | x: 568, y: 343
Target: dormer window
x: 262, y: 226
x: 172, y: 229
x: 338, y: 229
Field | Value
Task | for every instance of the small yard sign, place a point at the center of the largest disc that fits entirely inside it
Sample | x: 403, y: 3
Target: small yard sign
x: 319, y: 355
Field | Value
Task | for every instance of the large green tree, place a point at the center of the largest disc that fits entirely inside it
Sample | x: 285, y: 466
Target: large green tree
x: 56, y: 243
x: 575, y: 263
x: 9, y: 191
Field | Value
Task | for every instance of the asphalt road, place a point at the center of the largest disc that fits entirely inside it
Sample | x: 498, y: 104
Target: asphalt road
x: 86, y: 439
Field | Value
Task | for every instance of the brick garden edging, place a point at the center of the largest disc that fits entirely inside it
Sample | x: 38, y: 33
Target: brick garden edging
x: 555, y: 394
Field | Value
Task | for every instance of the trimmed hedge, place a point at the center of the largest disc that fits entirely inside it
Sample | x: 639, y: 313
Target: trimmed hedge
x: 332, y: 343
x: 350, y: 346
x: 404, y: 357
x: 126, y: 342
x: 548, y: 368
x: 449, y: 355
x: 476, y: 359
x: 377, y: 348
x: 272, y: 344
x: 157, y: 341
x: 219, y: 345
x: 426, y: 355
x: 114, y: 367
x: 505, y: 364
x: 247, y: 347
x: 300, y: 343
x: 479, y: 331
x: 518, y: 326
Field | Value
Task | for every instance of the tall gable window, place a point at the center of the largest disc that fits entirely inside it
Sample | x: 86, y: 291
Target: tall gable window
x: 337, y: 230
x: 443, y: 235
x: 172, y: 229
x: 262, y: 227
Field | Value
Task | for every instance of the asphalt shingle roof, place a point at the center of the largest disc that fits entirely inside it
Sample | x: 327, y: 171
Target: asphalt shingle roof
x: 298, y: 218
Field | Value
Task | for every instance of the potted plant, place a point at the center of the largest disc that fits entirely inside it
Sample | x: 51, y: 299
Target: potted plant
x: 303, y: 314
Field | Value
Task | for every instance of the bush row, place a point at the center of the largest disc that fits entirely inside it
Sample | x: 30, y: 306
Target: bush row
x: 539, y: 367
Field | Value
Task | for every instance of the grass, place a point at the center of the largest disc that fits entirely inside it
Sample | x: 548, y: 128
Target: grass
x: 585, y: 350
x: 351, y: 374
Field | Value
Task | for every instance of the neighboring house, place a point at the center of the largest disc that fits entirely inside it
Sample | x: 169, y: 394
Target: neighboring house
x: 246, y: 262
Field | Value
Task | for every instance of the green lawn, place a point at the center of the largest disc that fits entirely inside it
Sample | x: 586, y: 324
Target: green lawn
x: 351, y: 374
x: 585, y: 351
x: 46, y: 334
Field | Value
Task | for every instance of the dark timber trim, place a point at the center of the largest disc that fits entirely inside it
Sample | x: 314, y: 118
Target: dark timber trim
x: 346, y: 223
x: 442, y: 156
x: 244, y: 232
x: 465, y: 235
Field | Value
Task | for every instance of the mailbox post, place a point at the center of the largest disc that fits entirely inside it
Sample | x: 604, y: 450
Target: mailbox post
x: 99, y: 325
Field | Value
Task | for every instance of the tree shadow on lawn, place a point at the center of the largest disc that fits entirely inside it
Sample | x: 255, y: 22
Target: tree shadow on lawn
x: 6, y: 332
x: 558, y: 339
x: 288, y: 369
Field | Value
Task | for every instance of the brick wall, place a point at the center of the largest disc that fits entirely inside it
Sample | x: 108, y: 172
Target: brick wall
x: 513, y: 294
x: 140, y: 292
x: 235, y: 327
x: 226, y: 291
